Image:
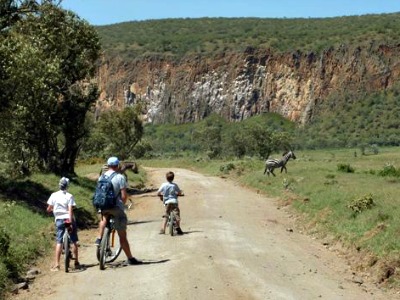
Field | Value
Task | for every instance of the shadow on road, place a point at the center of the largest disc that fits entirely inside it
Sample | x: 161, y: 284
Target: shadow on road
x: 192, y: 231
x: 121, y: 264
x: 140, y: 222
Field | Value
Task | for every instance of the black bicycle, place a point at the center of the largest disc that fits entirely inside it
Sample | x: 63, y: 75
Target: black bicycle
x: 66, y: 242
x: 110, y: 247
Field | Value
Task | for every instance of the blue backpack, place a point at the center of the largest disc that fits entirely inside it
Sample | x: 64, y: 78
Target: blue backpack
x: 104, y: 196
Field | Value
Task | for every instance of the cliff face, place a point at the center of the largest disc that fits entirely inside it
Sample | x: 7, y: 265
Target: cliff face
x: 238, y: 86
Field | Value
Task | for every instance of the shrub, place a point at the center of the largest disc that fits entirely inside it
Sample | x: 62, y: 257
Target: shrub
x: 227, y: 168
x: 389, y: 170
x: 360, y: 204
x: 346, y: 168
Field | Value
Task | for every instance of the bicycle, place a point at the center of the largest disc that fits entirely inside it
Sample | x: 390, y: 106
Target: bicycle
x: 171, y: 223
x: 66, y: 244
x: 109, y: 248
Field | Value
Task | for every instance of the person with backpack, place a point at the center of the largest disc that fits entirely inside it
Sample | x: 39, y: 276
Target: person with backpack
x: 61, y: 204
x: 118, y: 195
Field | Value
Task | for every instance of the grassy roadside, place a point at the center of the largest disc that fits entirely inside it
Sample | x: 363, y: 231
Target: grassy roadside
x: 26, y: 230
x: 340, y: 195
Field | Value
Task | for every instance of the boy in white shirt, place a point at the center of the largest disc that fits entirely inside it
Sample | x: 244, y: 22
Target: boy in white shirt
x: 61, y: 203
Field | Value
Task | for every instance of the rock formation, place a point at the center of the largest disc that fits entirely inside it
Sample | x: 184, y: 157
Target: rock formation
x: 240, y: 85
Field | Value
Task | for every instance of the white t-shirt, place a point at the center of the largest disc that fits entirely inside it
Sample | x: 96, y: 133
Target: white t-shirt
x: 170, y: 192
x: 60, y: 201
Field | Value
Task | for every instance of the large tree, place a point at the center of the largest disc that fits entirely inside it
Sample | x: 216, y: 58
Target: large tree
x: 116, y: 133
x: 50, y: 56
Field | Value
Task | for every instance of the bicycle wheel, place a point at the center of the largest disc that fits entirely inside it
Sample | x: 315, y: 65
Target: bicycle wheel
x: 103, y: 247
x: 114, y: 247
x: 171, y: 223
x: 67, y: 249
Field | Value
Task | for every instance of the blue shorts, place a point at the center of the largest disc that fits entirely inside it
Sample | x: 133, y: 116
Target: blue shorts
x: 60, y: 227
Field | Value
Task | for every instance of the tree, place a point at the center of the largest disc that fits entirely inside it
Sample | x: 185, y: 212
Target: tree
x: 209, y: 136
x: 263, y: 141
x: 118, y: 132
x: 51, y: 56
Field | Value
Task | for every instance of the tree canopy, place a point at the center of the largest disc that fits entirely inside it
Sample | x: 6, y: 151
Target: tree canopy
x: 49, y: 57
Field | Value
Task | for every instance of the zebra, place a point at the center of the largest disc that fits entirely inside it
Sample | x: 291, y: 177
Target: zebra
x: 273, y: 163
x: 123, y: 166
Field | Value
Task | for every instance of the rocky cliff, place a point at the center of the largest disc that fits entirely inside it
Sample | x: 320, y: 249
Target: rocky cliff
x: 240, y: 85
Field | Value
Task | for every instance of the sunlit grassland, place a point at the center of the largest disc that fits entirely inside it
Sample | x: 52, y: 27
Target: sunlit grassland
x: 316, y: 188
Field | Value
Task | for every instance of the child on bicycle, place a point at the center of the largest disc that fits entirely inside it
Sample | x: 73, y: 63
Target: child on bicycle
x: 61, y: 203
x: 168, y: 193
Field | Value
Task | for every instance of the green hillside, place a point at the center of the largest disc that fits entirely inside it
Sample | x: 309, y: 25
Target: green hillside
x: 209, y: 36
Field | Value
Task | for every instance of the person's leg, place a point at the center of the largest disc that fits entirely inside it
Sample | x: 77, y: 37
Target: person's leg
x: 164, y: 224
x: 59, y: 237
x: 165, y: 220
x: 124, y: 243
x: 125, y: 246
x: 58, y: 255
x: 102, y: 225
x: 75, y: 253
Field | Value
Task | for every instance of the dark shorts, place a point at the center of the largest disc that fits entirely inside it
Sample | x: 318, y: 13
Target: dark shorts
x: 120, y: 218
x: 60, y: 227
x: 173, y: 207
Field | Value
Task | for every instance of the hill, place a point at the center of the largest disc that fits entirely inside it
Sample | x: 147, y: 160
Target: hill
x: 210, y: 36
x: 337, y: 78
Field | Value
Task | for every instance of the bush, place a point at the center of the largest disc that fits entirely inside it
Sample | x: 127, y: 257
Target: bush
x: 389, y: 170
x: 346, y: 168
x: 227, y: 168
x: 361, y: 204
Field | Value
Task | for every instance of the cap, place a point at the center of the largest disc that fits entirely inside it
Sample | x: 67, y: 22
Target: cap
x: 64, y: 182
x: 113, y: 161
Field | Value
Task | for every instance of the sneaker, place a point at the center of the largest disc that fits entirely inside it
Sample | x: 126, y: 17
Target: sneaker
x: 162, y: 231
x: 78, y: 266
x: 97, y: 242
x: 179, y: 230
x: 133, y: 261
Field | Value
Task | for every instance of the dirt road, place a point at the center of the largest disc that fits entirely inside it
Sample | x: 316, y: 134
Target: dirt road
x: 237, y: 245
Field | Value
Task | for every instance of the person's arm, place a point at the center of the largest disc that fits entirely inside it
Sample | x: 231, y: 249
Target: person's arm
x: 160, y: 195
x: 50, y: 204
x: 124, y: 195
x: 49, y: 208
x: 180, y: 192
x: 70, y: 212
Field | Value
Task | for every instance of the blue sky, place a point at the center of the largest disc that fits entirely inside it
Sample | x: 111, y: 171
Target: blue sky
x: 103, y: 12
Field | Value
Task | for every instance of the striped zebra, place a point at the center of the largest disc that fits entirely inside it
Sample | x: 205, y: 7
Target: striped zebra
x: 273, y: 163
